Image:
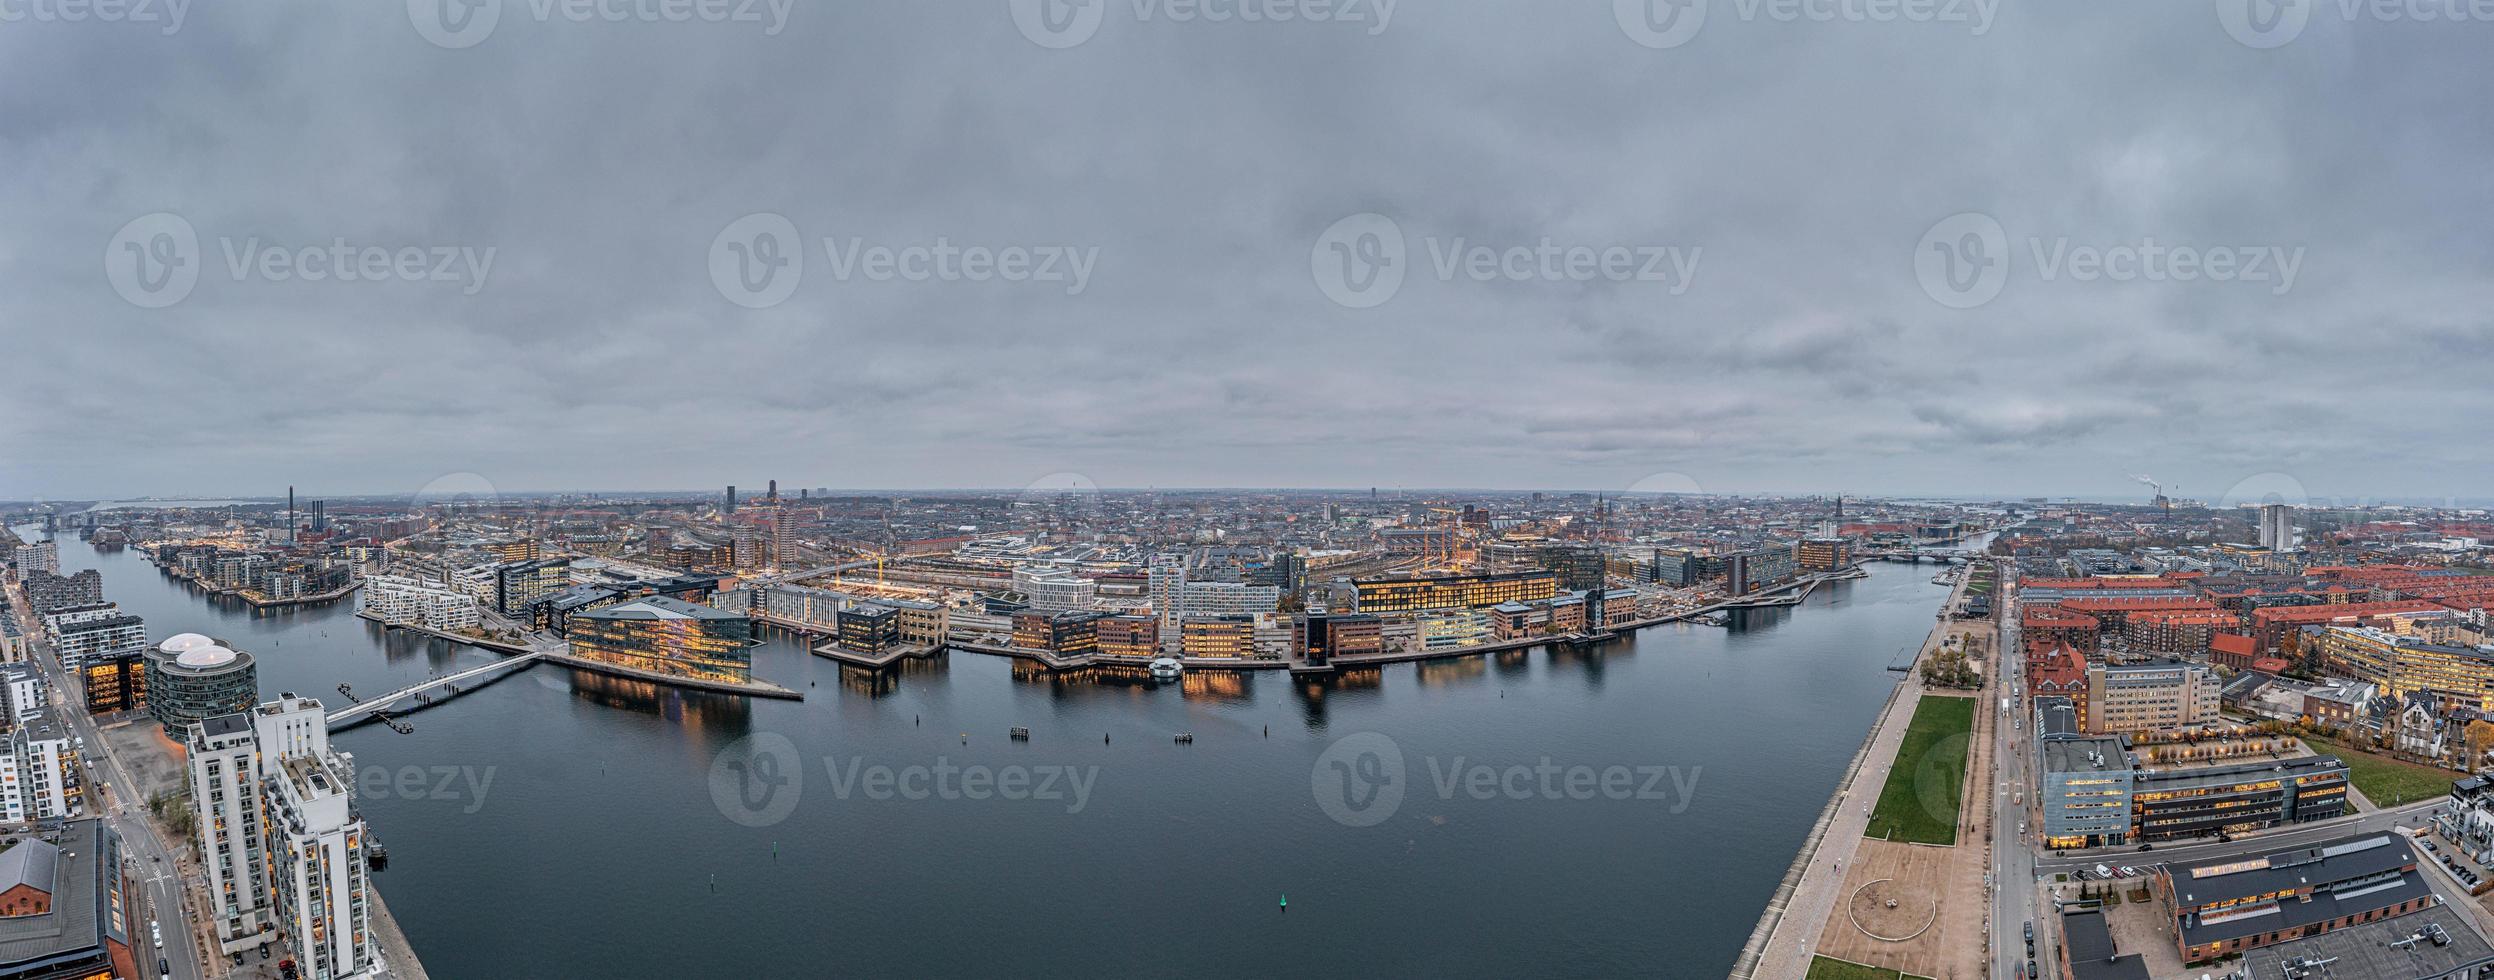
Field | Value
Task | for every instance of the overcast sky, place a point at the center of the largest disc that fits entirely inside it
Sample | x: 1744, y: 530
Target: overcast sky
x: 1767, y: 289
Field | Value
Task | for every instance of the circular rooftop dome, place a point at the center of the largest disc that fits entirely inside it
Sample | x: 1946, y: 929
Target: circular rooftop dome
x: 205, y: 657
x: 179, y: 642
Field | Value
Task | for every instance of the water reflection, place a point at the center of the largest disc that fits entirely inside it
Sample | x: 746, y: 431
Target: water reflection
x: 699, y: 711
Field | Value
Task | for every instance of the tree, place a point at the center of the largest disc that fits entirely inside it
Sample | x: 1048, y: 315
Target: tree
x: 2479, y: 738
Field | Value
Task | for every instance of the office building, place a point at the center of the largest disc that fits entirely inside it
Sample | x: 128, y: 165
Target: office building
x: 1320, y: 637
x: 869, y: 628
x: 191, y: 678
x: 666, y: 636
x: 2158, y: 696
x: 1129, y: 635
x: 116, y: 683
x: 2257, y: 897
x: 2093, y: 792
x: 1825, y: 554
x: 1220, y: 637
x: 1390, y: 595
x: 1070, y: 633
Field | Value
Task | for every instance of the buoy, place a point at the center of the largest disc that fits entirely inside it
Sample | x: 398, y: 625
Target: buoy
x: 1285, y: 903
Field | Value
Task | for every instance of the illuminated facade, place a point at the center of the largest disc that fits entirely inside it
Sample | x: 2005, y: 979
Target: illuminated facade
x: 1225, y: 637
x: 1454, y: 591
x: 1129, y: 636
x: 2149, y: 697
x: 116, y: 683
x: 667, y: 636
x: 2400, y: 664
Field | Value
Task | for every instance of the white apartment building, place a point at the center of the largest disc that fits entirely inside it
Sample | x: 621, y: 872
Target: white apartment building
x: 79, y: 636
x: 397, y: 599
x: 1051, y: 589
x: 41, y: 556
x: 281, y: 838
x: 225, y: 793
x: 39, y: 777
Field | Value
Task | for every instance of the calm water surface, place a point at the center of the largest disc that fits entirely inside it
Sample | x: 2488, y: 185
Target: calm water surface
x: 597, y: 849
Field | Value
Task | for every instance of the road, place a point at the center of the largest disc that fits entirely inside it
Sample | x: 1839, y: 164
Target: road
x: 2016, y: 900
x: 114, y: 796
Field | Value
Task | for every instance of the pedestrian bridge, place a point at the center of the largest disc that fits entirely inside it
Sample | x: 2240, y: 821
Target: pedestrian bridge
x: 367, y: 707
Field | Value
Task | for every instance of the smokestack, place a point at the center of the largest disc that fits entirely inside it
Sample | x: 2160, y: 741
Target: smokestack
x: 289, y: 515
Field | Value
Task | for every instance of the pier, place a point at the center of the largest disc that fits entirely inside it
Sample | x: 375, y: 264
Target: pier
x: 369, y: 707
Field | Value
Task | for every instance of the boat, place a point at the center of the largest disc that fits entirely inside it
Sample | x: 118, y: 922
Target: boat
x: 1166, y: 668
x: 1021, y: 734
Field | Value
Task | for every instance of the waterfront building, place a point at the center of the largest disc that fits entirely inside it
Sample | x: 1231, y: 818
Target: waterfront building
x: 1164, y: 576
x: 1129, y: 635
x: 2238, y: 902
x: 47, y: 591
x: 1222, y: 637
x: 869, y: 628
x: 398, y: 599
x: 1619, y: 607
x: 2162, y: 695
x: 41, y: 556
x: 115, y: 683
x: 70, y: 911
x: 1419, y: 594
x: 285, y: 848
x: 191, y: 678
x: 1449, y: 629
x: 1567, y: 614
x: 667, y: 636
x: 1825, y: 554
x: 925, y: 624
x: 1320, y: 637
x: 225, y: 797
x: 1069, y: 633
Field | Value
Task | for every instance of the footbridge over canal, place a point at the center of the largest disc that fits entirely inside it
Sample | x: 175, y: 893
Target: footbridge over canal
x: 368, y: 707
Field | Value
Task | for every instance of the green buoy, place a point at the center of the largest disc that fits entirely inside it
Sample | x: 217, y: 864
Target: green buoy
x: 1285, y: 903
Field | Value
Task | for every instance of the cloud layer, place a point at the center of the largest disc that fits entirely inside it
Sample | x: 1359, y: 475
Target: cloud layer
x: 600, y: 153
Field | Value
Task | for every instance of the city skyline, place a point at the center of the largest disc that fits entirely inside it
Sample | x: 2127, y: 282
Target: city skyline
x: 1767, y: 328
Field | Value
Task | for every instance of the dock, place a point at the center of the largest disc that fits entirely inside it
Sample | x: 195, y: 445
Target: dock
x: 831, y: 650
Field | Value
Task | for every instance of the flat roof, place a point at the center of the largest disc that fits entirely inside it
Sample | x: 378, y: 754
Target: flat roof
x: 2090, y: 945
x: 2071, y: 754
x: 659, y: 607
x: 2368, y: 864
x: 2367, y: 950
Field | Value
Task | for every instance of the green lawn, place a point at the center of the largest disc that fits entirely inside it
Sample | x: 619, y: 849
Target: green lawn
x: 2386, y: 781
x: 1927, y: 780
x: 1822, y: 968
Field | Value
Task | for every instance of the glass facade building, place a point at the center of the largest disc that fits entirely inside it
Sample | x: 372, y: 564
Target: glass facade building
x: 191, y: 679
x: 667, y: 636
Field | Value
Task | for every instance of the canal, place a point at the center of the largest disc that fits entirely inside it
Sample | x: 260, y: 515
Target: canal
x: 1621, y: 810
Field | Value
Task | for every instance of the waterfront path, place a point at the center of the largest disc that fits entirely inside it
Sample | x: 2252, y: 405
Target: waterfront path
x: 1792, y: 930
